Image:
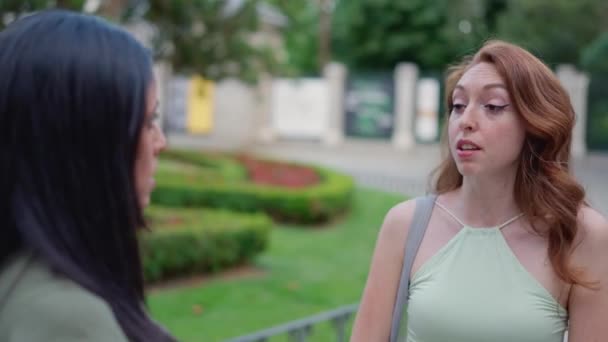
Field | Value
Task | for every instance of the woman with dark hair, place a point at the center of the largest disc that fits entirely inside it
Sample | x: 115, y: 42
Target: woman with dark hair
x: 511, y: 250
x: 78, y: 149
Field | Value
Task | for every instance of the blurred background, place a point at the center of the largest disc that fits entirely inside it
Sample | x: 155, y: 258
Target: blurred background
x: 294, y: 125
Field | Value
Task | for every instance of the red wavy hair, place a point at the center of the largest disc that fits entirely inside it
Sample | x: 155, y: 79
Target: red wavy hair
x: 545, y: 189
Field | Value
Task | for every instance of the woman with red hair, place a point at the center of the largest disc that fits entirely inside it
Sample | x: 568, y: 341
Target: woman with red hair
x: 511, y: 251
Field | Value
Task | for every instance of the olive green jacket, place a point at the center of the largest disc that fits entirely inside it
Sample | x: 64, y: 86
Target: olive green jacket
x: 37, y: 304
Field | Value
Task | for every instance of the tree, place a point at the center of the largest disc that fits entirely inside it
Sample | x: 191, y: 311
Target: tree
x: 13, y: 9
x: 383, y: 32
x: 555, y: 30
x: 595, y: 56
x: 467, y: 27
x: 214, y: 38
x: 378, y: 34
x: 301, y: 35
x: 210, y: 38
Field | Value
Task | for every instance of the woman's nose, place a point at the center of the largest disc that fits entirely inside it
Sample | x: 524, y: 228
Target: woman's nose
x: 467, y: 119
x: 161, y: 141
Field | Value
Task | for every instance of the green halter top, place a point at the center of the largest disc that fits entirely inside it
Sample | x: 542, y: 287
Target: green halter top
x: 474, y: 289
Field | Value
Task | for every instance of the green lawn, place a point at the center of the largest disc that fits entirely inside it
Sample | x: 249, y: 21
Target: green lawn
x: 307, y: 270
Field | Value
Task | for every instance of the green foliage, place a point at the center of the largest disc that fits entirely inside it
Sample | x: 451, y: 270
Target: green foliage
x: 196, y: 36
x: 191, y: 186
x: 595, y: 56
x: 183, y: 242
x: 301, y: 36
x: 469, y: 24
x: 202, y: 36
x: 227, y: 169
x: 12, y: 9
x: 555, y: 30
x: 595, y: 61
x: 597, y: 120
x: 378, y: 34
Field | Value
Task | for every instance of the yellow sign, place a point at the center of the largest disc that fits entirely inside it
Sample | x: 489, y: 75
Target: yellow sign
x: 200, y: 106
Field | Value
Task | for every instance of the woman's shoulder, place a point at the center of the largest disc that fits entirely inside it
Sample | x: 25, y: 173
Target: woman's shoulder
x: 398, y: 220
x: 593, y: 228
x: 591, y: 243
x: 40, y: 305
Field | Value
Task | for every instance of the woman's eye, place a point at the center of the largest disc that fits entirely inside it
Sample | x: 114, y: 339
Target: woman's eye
x: 458, y: 107
x: 495, y: 108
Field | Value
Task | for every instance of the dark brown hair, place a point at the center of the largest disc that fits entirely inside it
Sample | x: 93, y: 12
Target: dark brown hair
x: 72, y: 105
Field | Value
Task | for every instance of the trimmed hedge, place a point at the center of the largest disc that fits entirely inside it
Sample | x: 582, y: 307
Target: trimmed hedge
x: 229, y: 168
x: 184, y: 242
x: 314, y: 204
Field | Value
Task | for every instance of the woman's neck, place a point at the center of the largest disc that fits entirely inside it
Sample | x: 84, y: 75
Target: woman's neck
x: 486, y: 201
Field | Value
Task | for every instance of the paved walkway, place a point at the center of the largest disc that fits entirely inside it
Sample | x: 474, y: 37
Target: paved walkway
x: 378, y: 165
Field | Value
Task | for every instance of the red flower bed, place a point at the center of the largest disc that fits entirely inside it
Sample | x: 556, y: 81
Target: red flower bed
x: 279, y: 174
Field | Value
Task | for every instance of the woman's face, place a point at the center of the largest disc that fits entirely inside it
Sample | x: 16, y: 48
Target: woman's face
x: 151, y: 142
x: 486, y: 133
